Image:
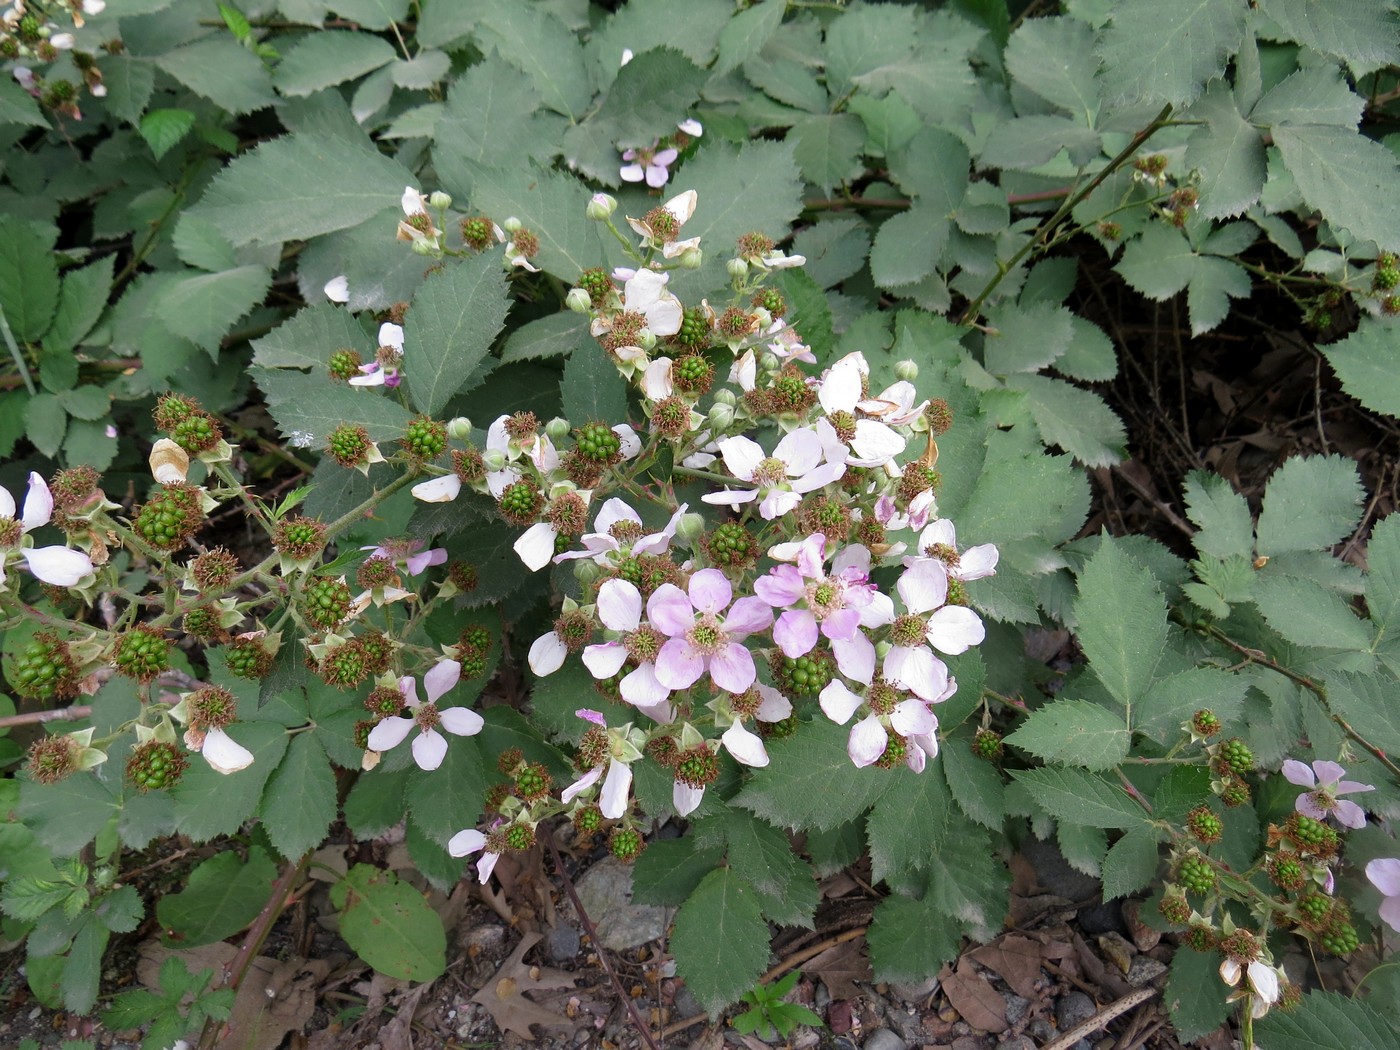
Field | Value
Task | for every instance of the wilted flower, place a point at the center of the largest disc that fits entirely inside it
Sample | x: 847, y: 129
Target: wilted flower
x: 383, y: 372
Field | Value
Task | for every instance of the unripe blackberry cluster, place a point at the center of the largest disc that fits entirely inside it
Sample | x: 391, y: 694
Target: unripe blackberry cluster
x: 215, y: 569
x: 1204, y: 825
x: 597, y: 443
x: 598, y: 285
x: 171, y: 409
x: 73, y: 488
x: 155, y: 764
x: 248, y: 658
x: 804, y: 676
x: 344, y: 364
x: 587, y: 820
x: 44, y: 669
x: 1311, y: 836
x: 532, y: 781
x: 1234, y: 792
x: 731, y: 546
x: 1314, y: 908
x: 916, y: 479
x: 896, y: 747
x: 1387, y: 274
x: 1175, y: 908
x: 478, y: 232
x: 1205, y: 722
x: 772, y: 300
x: 51, y: 758
x: 141, y: 653
x: 519, y: 837
x: 344, y: 666
x: 520, y: 503
x: 1287, y: 871
x: 697, y: 766
x: 1196, y: 875
x: 693, y: 375
x: 349, y: 445
x: 170, y: 517
x: 197, y: 432
x: 203, y: 623
x: 473, y: 647
x: 299, y: 537
x: 425, y: 438
x: 1340, y: 937
x: 987, y: 745
x: 626, y: 843
x: 326, y: 601
x: 695, y: 328
x: 1234, y: 756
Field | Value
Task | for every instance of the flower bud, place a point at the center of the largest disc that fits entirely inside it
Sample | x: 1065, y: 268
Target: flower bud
x: 557, y: 429
x: 906, y: 370
x: 769, y: 362
x: 645, y: 339
x: 494, y: 459
x: 586, y: 570
x: 423, y: 247
x: 601, y: 207
x: 765, y: 318
x: 692, y: 259
x: 459, y: 428
x: 578, y: 301
x: 721, y: 416
x: 511, y: 224
x: 737, y: 269
x: 690, y: 527
x: 439, y: 200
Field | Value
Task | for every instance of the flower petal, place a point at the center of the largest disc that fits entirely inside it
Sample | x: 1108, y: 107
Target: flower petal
x: 955, y: 629
x: 686, y: 799
x: 617, y: 788
x: 796, y: 633
x: 602, y: 661
x: 461, y: 721
x: 438, y: 490
x: 429, y: 749
x: 536, y: 545
x: 547, y: 654
x: 678, y: 666
x: 38, y: 505
x: 746, y: 747
x: 709, y: 591
x: 58, y: 565
x: 581, y: 785
x: 465, y: 843
x: 337, y: 289
x: 225, y: 754
x: 838, y: 702
x: 1299, y: 773
x: 731, y: 668
x: 389, y: 732
x: 670, y: 611
x: 924, y: 585
x: 867, y: 741
x: 444, y: 675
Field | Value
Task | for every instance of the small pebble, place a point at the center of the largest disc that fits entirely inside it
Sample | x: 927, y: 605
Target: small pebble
x: 1144, y: 970
x: 1017, y: 1007
x: 885, y: 1039
x: 562, y: 944
x: 1017, y: 1042
x: 1118, y: 950
x: 1143, y: 935
x: 913, y: 992
x: 1101, y: 917
x: 1073, y: 1009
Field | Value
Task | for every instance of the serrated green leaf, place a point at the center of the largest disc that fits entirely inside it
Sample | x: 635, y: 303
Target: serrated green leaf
x: 454, y: 320
x: 1020, y: 495
x: 29, y: 285
x: 1309, y: 504
x: 493, y: 111
x: 810, y: 781
x: 82, y: 972
x: 1345, y: 176
x: 555, y: 335
x: 45, y: 422
x: 1366, y: 363
x: 1214, y: 282
x: 202, y: 307
x: 910, y: 939
x: 390, y: 924
x: 540, y: 45
x: 866, y: 38
x: 1306, y: 613
x: 130, y: 82
x: 1228, y: 151
x: 692, y: 27
x: 669, y: 870
x: 552, y: 207
x: 789, y: 82
x: 744, y: 35
x: 1080, y: 797
x: 976, y: 785
x: 1023, y: 143
x: 209, y: 804
x: 422, y: 71
x: 834, y: 249
x: 86, y: 402
x: 1083, y: 847
x: 1074, y: 732
x: 372, y: 14
x: 300, y: 801
x: 375, y: 804
x: 81, y: 301
x: 1383, y: 577
x: 329, y: 57
x: 308, y: 407
x: 87, y: 442
x: 1362, y: 34
x: 1195, y: 994
x: 223, y: 71
x: 1054, y: 58
x: 910, y: 823
x: 908, y: 247
x: 281, y: 191
x: 1158, y: 264
x: 890, y: 122
x: 1312, y: 95
x: 309, y: 338
x: 1157, y: 52
x: 1221, y: 514
x: 761, y: 855
x: 1367, y: 702
x: 164, y: 128
x: 828, y: 149
x: 1090, y: 355
x: 720, y: 940
x: 1122, y: 619
x: 1076, y: 420
x: 221, y: 896
x: 1131, y: 863
x: 651, y: 93
x: 17, y: 106
x: 936, y: 78
x: 592, y: 390
x: 447, y: 799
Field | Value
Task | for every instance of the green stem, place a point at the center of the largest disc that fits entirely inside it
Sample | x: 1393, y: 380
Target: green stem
x: 15, y: 353
x: 974, y: 308
x: 351, y: 516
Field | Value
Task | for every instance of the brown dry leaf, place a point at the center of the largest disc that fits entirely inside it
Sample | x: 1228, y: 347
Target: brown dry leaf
x: 839, y: 966
x: 1016, y: 959
x: 398, y: 1031
x: 978, y: 1002
x: 504, y: 994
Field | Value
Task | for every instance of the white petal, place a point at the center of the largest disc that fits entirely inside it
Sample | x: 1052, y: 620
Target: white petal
x: 746, y: 747
x: 547, y: 654
x: 389, y: 732
x: 536, y: 545
x: 867, y: 741
x: 742, y: 456
x: 58, y: 565
x: 924, y: 585
x: 838, y: 702
x: 977, y: 562
x: 656, y: 381
x: 580, y: 785
x: 840, y: 390
x: 439, y: 490
x: 391, y: 334
x: 1230, y: 972
x: 686, y: 799
x: 619, y: 605
x: 444, y: 675
x: 602, y: 661
x: 225, y: 754
x: 617, y: 789
x: 466, y: 842
x: 682, y: 205
x: 694, y: 129
x: 38, y: 505
x: 429, y: 749
x: 7, y: 503
x: 412, y: 202
x: 1265, y: 981
x: 461, y: 721
x: 954, y: 629
x: 337, y: 289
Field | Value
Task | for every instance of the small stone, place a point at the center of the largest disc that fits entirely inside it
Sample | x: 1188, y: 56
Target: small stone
x: 1118, y: 950
x: 1074, y: 1009
x: 1040, y: 1030
x: 1017, y: 1006
x: 1144, y: 970
x: 1143, y: 935
x: 1016, y: 1042
x: 686, y: 1004
x: 486, y: 939
x: 885, y: 1039
x: 562, y: 943
x: 1101, y: 917
x: 971, y: 1042
x: 915, y: 991
x: 606, y: 893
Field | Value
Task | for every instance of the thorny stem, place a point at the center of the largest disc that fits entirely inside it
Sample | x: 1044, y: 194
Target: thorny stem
x: 637, y: 1022
x: 974, y: 309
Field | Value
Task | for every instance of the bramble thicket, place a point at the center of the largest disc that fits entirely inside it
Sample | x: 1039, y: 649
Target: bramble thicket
x: 515, y: 421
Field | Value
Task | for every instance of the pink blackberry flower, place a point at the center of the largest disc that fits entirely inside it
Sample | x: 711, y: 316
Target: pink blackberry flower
x: 1324, y: 783
x: 698, y: 641
x: 429, y: 747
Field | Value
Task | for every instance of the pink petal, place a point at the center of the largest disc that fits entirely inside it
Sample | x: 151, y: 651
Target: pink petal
x: 1309, y: 808
x: 912, y: 718
x: 917, y: 670
x: 580, y: 785
x: 656, y: 176
x: 811, y: 555
x: 867, y: 741
x: 444, y: 675
x: 670, y: 610
x: 780, y: 587
x: 461, y: 721
x: 1350, y: 814
x: 58, y: 565
x: 1384, y: 874
x: 602, y: 661
x: 631, y: 172
x: 796, y: 633
x: 731, y: 668
x: 619, y: 605
x: 855, y: 658
x: 465, y: 843
x: 749, y: 616
x: 1328, y: 772
x: 924, y: 585
x: 485, y: 866
x: 842, y: 624
x: 617, y: 788
x: 745, y: 746
x: 429, y: 749
x: 978, y: 562
x: 710, y: 591
x: 778, y: 502
x: 955, y: 629
x: 642, y: 688
x: 547, y: 654
x: 775, y: 706
x: 678, y: 666
x: 390, y: 732
x: 940, y: 532
x: 1299, y: 773
x: 1351, y: 787
x: 838, y: 702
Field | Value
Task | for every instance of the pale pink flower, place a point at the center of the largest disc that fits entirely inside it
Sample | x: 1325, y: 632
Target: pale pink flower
x: 910, y: 718
x: 613, y: 526
x: 681, y: 207
x: 465, y: 843
x: 57, y: 565
x: 975, y: 563
x: 387, y: 375
x: 619, y: 607
x: 950, y: 629
x: 697, y: 640
x: 650, y: 165
x: 872, y: 443
x: 408, y: 554
x: 815, y: 603
x: 337, y: 289
x: 779, y: 480
x: 429, y: 747
x: 1384, y: 874
x: 1324, y: 783
x: 223, y: 753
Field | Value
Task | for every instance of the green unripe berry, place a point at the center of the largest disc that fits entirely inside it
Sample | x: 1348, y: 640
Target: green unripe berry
x: 1204, y: 825
x: 987, y: 745
x: 326, y: 602
x: 626, y: 843
x: 155, y: 764
x: 141, y: 653
x: 597, y: 442
x: 425, y: 438
x: 344, y: 364
x: 1340, y: 938
x: 1196, y: 875
x: 520, y: 836
x: 1235, y: 756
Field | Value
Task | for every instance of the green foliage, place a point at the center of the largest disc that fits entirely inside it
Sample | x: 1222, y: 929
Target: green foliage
x: 221, y: 897
x: 179, y: 1009
x: 390, y: 925
x: 720, y: 931
x: 768, y: 1015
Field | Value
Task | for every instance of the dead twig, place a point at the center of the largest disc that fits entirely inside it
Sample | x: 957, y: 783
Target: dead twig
x: 1102, y: 1018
